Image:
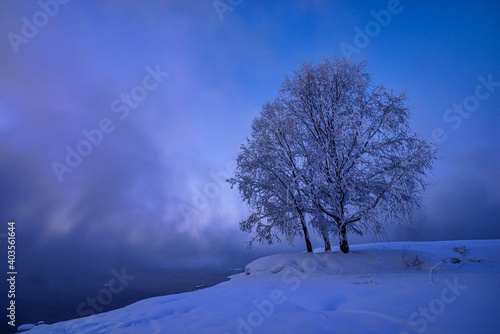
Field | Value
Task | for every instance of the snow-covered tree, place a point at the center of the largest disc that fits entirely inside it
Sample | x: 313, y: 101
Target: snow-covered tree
x: 337, y: 150
x: 268, y: 178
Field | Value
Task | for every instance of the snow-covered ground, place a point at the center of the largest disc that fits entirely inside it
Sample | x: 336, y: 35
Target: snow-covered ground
x: 370, y: 290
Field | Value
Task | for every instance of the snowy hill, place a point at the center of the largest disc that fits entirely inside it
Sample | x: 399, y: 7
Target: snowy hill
x: 436, y: 287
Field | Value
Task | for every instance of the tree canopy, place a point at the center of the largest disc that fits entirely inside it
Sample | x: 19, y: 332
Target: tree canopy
x: 331, y: 153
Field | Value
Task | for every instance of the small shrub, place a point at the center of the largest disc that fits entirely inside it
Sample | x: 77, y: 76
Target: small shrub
x: 412, y: 261
x: 462, y: 250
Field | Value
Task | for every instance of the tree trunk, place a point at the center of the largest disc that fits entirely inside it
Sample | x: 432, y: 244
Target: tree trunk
x: 344, y: 246
x: 328, y: 247
x: 306, y: 233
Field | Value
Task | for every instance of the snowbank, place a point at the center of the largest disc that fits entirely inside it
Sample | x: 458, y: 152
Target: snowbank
x: 370, y: 290
x: 328, y: 263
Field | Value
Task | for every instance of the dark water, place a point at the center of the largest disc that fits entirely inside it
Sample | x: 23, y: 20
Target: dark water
x: 38, y: 300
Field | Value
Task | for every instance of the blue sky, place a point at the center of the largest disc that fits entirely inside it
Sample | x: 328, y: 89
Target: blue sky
x: 150, y: 191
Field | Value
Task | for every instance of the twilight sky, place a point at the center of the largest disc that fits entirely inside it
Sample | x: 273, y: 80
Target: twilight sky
x: 157, y: 96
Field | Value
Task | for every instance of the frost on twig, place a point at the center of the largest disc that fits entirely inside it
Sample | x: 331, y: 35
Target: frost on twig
x: 431, y: 280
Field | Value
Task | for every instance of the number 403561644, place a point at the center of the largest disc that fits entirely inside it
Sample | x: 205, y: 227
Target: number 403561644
x: 11, y: 248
